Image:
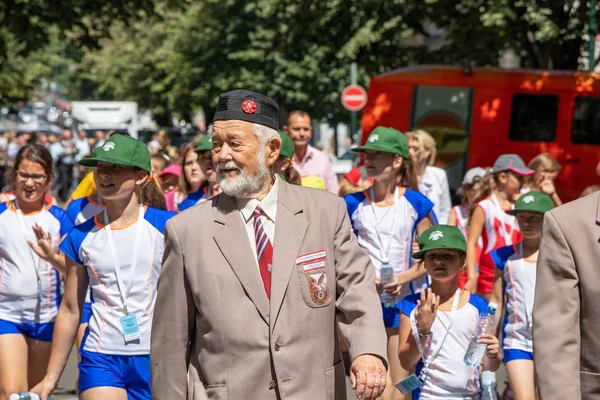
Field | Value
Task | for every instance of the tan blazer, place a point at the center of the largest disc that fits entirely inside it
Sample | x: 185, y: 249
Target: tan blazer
x: 214, y: 320
x: 566, y: 313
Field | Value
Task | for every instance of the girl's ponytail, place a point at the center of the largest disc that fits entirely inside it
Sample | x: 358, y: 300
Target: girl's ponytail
x: 152, y: 196
x: 292, y: 176
x: 485, y: 190
x: 407, y: 176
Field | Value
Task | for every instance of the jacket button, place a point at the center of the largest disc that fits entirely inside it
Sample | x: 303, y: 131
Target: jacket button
x: 277, y: 347
x: 273, y: 384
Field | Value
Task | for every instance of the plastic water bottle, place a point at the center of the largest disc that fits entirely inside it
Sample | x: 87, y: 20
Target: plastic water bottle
x: 386, y: 274
x: 475, y: 351
x: 488, y: 386
x: 29, y: 396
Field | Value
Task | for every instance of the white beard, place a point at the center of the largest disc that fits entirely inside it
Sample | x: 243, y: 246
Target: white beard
x: 244, y: 185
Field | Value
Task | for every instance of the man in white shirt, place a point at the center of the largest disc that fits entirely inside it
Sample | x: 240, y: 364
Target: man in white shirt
x: 263, y: 275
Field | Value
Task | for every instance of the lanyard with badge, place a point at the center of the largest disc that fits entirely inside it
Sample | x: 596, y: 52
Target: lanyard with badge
x: 34, y: 258
x: 412, y: 382
x: 384, y: 252
x: 129, y: 322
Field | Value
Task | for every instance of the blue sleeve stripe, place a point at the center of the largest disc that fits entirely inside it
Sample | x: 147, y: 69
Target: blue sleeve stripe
x: 501, y: 255
x: 421, y: 204
x: 478, y: 302
x: 72, y: 243
x: 352, y: 202
x: 3, y: 207
x: 75, y: 207
x: 66, y: 223
x: 408, y: 304
x: 158, y: 218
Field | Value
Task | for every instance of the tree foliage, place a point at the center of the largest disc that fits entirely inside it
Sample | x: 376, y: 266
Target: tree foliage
x: 179, y: 59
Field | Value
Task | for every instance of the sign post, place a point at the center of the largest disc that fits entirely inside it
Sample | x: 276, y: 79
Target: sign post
x: 354, y: 98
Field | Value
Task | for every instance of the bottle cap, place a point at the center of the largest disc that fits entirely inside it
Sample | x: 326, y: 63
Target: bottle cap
x: 493, y: 305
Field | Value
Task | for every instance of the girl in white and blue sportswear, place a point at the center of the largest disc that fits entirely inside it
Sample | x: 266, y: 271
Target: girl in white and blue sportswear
x: 514, y: 287
x: 385, y: 219
x: 436, y: 325
x: 29, y: 284
x: 81, y: 210
x: 118, y: 253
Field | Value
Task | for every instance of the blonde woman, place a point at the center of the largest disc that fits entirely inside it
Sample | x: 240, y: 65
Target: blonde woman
x: 546, y: 171
x: 433, y: 181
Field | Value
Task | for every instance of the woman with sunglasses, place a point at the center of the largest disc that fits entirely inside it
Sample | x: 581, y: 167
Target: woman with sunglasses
x: 29, y: 285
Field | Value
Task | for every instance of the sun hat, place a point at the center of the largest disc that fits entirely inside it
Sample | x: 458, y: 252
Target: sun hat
x: 353, y: 176
x: 471, y: 176
x: 204, y: 144
x: 512, y: 163
x: 385, y: 139
x: 287, y: 146
x: 440, y: 237
x: 534, y: 202
x: 313, y: 182
x: 173, y: 169
x: 121, y: 150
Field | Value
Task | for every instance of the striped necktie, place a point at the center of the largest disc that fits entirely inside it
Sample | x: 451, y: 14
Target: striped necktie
x: 264, y: 251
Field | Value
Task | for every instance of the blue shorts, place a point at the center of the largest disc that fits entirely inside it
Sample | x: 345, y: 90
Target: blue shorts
x: 514, y: 354
x: 40, y: 332
x: 391, y: 316
x: 87, y: 313
x: 131, y: 373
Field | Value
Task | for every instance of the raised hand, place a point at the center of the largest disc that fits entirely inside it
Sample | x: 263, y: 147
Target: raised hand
x: 43, y: 246
x: 427, y: 307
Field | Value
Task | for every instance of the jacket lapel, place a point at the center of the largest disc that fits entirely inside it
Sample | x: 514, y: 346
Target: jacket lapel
x: 232, y: 240
x: 290, y: 228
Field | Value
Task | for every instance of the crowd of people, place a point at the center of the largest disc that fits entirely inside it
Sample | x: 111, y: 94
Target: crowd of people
x: 89, y: 273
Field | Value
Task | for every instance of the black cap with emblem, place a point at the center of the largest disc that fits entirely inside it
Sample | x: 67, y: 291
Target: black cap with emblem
x: 245, y: 105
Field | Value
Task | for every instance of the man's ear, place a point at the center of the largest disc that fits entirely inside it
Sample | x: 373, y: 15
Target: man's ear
x: 273, y: 148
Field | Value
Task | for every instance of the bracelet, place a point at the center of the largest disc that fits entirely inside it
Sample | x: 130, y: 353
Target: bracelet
x: 424, y: 336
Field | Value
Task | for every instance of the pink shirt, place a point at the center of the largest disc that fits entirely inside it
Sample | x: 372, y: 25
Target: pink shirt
x: 316, y: 163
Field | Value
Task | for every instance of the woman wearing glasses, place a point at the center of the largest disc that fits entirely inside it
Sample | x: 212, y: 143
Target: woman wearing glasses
x: 29, y: 285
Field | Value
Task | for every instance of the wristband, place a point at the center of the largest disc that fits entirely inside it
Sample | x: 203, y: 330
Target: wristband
x: 424, y: 336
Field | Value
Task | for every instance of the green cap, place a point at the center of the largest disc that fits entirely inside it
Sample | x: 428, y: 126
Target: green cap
x: 534, y: 202
x: 204, y: 144
x: 441, y: 237
x: 287, y: 146
x: 386, y: 139
x: 120, y: 150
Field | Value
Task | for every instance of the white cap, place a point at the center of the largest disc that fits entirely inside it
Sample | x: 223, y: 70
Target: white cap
x: 472, y: 175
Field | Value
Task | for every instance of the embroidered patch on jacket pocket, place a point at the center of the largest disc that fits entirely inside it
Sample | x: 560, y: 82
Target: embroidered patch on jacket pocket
x: 319, y: 291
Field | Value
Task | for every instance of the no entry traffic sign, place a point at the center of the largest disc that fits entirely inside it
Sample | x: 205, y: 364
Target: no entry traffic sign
x: 354, y: 98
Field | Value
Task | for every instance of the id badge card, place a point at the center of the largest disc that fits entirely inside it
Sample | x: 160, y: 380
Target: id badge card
x: 130, y: 327
x: 409, y: 384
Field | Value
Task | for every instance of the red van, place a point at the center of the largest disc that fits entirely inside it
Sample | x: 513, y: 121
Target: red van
x: 476, y: 114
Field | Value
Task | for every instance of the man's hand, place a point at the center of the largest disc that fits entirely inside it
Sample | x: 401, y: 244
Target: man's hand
x: 368, y: 376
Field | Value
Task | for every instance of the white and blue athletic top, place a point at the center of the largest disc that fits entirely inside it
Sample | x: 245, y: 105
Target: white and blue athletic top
x: 448, y: 377
x: 22, y: 299
x: 87, y: 244
x: 519, y: 287
x: 395, y: 224
x: 80, y: 210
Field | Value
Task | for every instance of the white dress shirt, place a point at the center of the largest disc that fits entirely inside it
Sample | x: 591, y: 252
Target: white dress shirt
x: 435, y: 187
x: 269, y: 207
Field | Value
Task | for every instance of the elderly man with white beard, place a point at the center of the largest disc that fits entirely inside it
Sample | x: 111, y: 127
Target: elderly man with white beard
x: 256, y: 281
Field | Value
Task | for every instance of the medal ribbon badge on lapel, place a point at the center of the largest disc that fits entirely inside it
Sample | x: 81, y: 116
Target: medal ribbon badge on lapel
x: 319, y: 291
